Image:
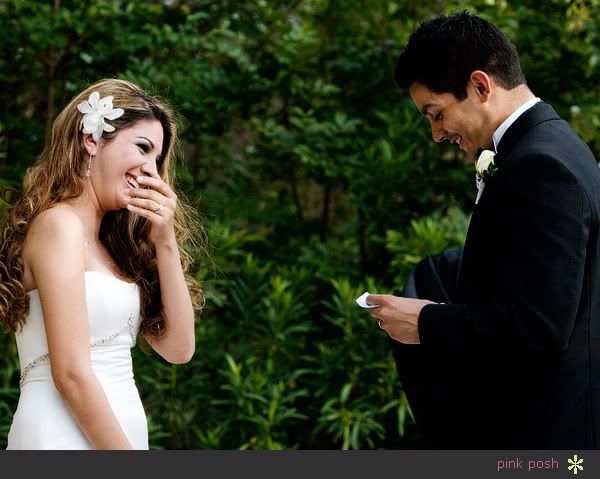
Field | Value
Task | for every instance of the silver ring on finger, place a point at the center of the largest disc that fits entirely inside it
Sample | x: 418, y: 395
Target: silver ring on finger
x: 159, y: 209
x: 380, y: 323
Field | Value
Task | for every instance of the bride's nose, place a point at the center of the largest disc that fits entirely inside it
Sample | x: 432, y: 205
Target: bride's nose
x: 150, y: 169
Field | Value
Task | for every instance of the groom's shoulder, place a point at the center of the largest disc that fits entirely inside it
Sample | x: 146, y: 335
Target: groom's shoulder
x: 555, y: 141
x: 552, y: 158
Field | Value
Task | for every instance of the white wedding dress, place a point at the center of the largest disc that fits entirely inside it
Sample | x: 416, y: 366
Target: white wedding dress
x: 42, y: 420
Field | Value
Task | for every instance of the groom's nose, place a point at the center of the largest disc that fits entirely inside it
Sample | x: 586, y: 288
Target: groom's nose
x: 438, y: 133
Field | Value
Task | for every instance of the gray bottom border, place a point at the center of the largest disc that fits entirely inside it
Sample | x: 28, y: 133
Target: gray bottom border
x: 300, y: 464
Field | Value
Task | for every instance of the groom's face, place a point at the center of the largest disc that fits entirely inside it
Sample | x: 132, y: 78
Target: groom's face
x: 463, y: 122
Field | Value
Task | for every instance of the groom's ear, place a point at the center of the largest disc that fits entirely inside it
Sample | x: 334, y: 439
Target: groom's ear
x: 481, y: 84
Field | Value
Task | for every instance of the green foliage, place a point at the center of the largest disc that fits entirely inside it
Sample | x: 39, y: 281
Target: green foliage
x: 427, y: 236
x: 352, y: 422
x: 269, y: 362
x: 317, y: 178
x: 260, y: 407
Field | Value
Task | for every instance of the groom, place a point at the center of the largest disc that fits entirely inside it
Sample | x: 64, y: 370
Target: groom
x: 514, y: 361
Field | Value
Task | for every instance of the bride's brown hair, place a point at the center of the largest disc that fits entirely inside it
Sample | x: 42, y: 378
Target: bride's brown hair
x: 59, y: 174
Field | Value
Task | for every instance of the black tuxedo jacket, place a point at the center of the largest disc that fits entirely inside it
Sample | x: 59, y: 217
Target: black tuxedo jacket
x: 514, y: 362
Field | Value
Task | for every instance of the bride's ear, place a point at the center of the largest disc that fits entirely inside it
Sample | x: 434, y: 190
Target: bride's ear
x: 90, y: 145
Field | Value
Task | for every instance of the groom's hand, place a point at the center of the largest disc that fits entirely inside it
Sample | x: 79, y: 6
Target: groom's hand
x: 398, y: 316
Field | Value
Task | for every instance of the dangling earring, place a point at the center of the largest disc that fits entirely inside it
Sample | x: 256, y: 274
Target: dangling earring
x: 88, y: 172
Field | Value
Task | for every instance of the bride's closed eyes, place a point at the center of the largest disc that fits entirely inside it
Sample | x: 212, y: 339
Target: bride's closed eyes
x: 144, y: 144
x: 145, y: 147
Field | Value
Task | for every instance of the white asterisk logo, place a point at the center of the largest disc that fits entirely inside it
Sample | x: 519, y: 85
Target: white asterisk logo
x: 576, y: 464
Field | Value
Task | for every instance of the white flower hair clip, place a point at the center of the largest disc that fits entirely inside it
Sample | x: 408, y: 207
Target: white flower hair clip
x: 95, y: 110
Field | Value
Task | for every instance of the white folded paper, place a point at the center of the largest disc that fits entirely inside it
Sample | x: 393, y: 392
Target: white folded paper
x: 362, y: 301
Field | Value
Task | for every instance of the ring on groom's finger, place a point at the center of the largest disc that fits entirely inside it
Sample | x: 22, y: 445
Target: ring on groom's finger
x: 157, y: 210
x: 380, y: 323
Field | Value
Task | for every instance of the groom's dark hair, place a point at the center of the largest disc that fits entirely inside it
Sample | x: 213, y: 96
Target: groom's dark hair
x: 443, y: 52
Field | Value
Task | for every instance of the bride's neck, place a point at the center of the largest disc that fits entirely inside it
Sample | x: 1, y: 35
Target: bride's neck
x: 87, y: 209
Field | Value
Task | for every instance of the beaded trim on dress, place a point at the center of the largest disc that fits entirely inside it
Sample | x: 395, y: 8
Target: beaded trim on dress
x: 44, y: 358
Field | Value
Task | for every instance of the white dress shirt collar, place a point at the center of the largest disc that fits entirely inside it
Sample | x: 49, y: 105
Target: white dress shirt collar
x: 499, y: 133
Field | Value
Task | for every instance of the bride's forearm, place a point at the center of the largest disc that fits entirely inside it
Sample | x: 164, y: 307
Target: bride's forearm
x: 87, y: 402
x: 178, y: 343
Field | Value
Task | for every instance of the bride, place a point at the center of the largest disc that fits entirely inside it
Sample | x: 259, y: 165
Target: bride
x: 90, y: 256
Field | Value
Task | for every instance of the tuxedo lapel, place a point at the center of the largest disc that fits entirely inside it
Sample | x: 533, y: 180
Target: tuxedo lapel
x: 538, y: 113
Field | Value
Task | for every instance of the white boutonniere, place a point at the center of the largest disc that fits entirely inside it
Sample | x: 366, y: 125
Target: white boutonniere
x: 95, y: 110
x: 485, y: 169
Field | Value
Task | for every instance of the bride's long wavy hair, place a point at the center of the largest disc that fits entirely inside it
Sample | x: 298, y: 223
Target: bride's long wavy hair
x: 59, y: 174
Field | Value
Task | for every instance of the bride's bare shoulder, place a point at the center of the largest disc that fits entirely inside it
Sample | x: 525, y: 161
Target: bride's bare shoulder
x: 54, y: 240
x: 59, y: 219
x: 57, y: 227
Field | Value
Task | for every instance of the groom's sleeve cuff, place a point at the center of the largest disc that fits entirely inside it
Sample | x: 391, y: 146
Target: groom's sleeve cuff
x: 440, y: 327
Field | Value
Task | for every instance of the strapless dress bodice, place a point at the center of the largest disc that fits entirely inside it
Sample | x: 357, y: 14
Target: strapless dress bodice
x: 113, y: 310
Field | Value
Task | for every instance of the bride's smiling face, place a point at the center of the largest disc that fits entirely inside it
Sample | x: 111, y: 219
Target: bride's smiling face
x: 132, y: 152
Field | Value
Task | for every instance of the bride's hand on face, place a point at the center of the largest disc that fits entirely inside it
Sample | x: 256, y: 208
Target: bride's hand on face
x: 156, y: 201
